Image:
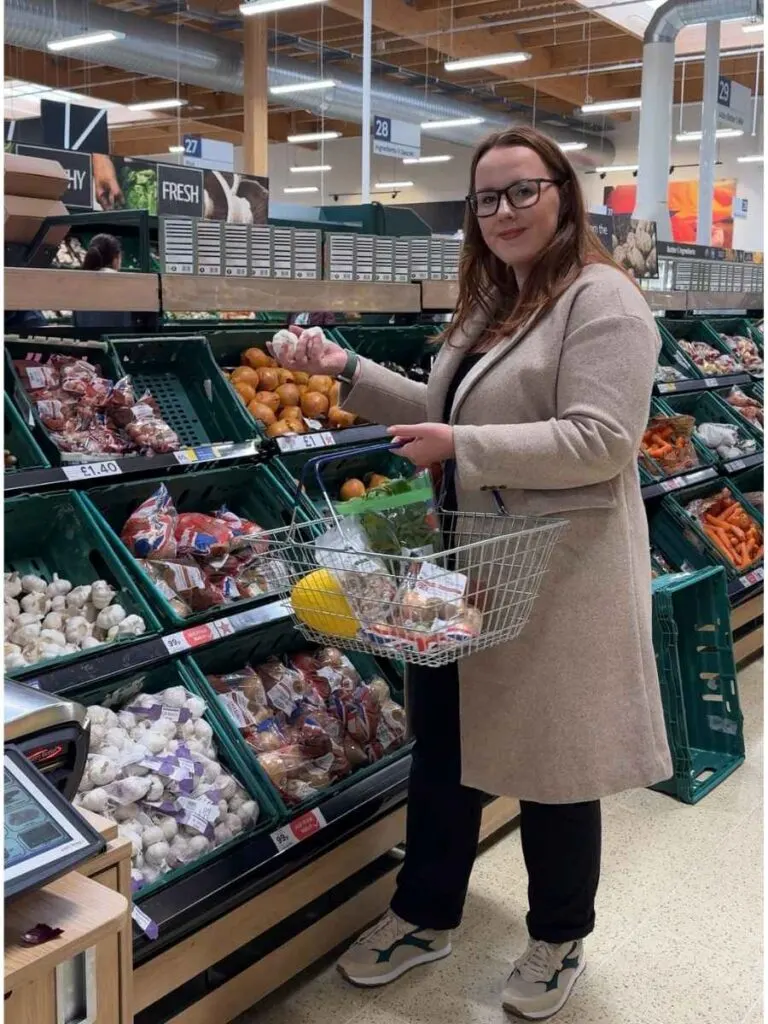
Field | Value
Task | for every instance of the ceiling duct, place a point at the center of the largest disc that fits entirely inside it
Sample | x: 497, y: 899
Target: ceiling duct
x: 657, y: 94
x: 206, y: 60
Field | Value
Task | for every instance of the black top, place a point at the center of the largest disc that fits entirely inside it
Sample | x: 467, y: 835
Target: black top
x: 468, y: 363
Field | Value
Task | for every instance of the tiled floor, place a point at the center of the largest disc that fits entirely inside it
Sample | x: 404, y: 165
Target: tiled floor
x: 680, y: 922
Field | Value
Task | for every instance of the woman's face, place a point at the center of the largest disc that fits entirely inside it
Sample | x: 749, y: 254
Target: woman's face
x: 516, y: 236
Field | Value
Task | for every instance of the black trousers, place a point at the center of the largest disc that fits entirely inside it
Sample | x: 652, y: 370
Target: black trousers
x: 561, y: 843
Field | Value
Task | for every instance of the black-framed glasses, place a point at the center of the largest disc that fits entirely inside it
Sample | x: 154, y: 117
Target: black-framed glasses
x: 520, y: 194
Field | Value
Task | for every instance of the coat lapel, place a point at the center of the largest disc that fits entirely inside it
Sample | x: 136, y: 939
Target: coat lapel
x: 447, y: 363
x: 486, y: 364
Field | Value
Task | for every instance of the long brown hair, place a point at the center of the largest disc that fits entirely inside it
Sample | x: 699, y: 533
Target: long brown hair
x: 488, y: 285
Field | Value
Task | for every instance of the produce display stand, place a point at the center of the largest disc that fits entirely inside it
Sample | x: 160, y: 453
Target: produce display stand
x: 265, y: 907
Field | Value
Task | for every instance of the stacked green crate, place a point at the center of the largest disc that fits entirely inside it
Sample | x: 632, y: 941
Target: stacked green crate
x: 707, y: 407
x: 755, y: 392
x: 410, y: 348
x: 694, y: 330
x: 121, y: 691
x: 276, y: 640
x: 252, y: 491
x: 676, y: 533
x: 732, y: 326
x: 697, y: 673
x: 181, y: 375
x: 19, y: 441
x: 53, y: 533
x: 671, y: 355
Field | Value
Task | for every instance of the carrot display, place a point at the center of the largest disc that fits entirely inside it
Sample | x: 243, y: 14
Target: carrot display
x: 667, y: 448
x: 730, y: 527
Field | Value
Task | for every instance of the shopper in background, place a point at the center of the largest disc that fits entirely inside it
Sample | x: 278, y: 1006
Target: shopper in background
x: 540, y: 391
x: 106, y: 254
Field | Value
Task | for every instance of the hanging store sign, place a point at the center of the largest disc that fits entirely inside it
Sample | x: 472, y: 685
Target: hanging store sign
x: 395, y: 138
x: 208, y: 153
x: 733, y: 102
x: 79, y: 195
x: 179, y: 191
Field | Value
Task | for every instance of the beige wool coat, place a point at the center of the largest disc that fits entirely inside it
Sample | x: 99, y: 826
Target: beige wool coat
x: 553, y: 417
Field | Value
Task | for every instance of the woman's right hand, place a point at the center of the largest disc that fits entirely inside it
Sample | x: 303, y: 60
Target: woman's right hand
x: 308, y: 350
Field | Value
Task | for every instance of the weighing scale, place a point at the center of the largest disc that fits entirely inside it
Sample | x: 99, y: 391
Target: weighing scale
x: 51, y: 731
x: 44, y: 836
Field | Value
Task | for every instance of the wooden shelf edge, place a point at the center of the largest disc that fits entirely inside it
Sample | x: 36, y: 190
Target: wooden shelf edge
x: 749, y: 644
x: 80, y: 290
x: 497, y: 815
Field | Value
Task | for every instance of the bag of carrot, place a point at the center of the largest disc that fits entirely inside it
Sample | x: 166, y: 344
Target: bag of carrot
x: 667, y: 447
x: 736, y: 535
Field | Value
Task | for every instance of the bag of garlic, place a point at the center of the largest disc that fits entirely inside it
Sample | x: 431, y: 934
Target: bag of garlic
x: 160, y: 768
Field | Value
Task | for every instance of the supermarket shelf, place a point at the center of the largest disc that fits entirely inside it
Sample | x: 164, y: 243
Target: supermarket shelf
x: 679, y: 387
x: 672, y: 301
x: 439, y: 295
x: 724, y: 300
x: 26, y: 481
x: 259, y: 862
x: 135, y: 657
x: 747, y: 612
x: 80, y: 290
x: 746, y: 587
x: 751, y: 643
x: 198, y: 294
x: 676, y: 483
x: 748, y: 462
x: 330, y: 438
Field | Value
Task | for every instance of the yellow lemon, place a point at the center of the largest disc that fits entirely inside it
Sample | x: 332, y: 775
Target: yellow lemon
x: 319, y: 602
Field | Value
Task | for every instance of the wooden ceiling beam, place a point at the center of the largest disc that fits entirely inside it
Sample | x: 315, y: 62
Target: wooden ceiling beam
x: 432, y: 28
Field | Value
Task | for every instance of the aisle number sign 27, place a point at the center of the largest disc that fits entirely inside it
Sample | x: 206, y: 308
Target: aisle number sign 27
x: 395, y: 138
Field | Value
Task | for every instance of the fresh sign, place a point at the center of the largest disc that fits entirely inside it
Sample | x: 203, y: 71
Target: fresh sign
x: 179, y: 191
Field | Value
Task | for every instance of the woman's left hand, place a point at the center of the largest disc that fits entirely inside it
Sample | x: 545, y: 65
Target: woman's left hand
x: 425, y: 443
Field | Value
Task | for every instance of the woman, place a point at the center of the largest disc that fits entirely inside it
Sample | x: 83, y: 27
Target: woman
x: 540, y: 391
x: 106, y: 254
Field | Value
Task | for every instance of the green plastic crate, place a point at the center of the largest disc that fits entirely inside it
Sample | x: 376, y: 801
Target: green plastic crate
x: 736, y: 325
x: 697, y: 671
x: 671, y: 353
x: 181, y: 375
x: 408, y: 346
x: 100, y: 354
x: 652, y: 470
x: 19, y: 441
x: 710, y: 408
x: 690, y: 329
x: 679, y: 537
x: 278, y: 639
x: 750, y: 480
x: 253, y: 491
x: 753, y: 390
x: 226, y: 346
x: 119, y: 691
x: 53, y: 532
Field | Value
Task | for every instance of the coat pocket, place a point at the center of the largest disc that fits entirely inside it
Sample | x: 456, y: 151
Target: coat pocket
x: 572, y: 499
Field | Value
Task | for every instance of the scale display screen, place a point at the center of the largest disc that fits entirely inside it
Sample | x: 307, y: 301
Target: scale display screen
x: 43, y: 835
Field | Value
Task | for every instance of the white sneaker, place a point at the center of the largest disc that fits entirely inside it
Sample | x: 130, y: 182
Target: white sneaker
x: 389, y: 949
x: 542, y: 979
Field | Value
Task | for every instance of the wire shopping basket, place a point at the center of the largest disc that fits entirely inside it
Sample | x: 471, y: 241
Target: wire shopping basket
x: 471, y: 586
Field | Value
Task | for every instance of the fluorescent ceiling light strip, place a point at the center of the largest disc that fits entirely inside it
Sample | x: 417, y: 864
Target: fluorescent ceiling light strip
x: 753, y: 158
x: 314, y: 137
x: 616, y: 167
x: 320, y: 83
x: 606, y: 105
x: 168, y: 104
x: 452, y: 122
x: 721, y: 133
x: 386, y: 185
x: 442, y: 158
x: 175, y: 149
x: 493, y: 59
x: 309, y: 168
x: 297, y: 190
x: 572, y: 147
x: 268, y: 6
x: 753, y: 28
x: 85, y: 39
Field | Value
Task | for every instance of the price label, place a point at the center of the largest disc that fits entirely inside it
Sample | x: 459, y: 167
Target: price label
x: 664, y: 389
x: 671, y: 485
x: 223, y: 627
x: 92, y: 470
x: 175, y: 643
x: 751, y: 578
x: 299, y: 829
x: 734, y: 467
x: 145, y: 922
x: 711, y: 382
x: 205, y: 453
x: 305, y: 442
x: 257, y: 616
